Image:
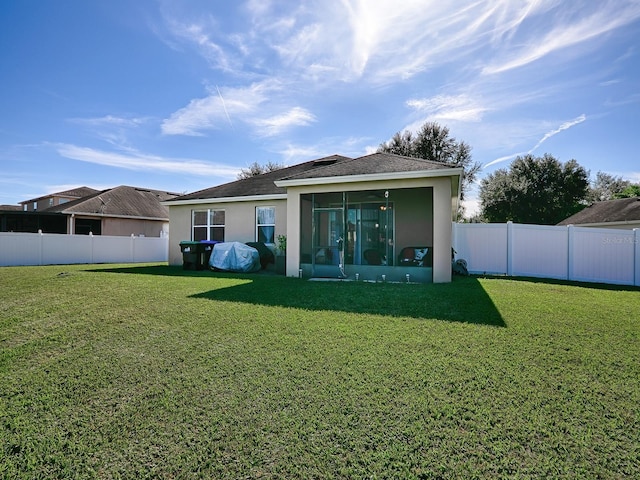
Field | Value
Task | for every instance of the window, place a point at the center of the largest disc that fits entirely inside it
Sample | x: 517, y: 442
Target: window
x: 85, y: 226
x: 208, y: 225
x: 265, y: 224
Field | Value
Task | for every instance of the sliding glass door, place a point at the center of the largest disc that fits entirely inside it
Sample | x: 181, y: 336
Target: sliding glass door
x: 350, y: 228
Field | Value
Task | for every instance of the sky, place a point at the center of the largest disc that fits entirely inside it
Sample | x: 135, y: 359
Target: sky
x: 179, y: 95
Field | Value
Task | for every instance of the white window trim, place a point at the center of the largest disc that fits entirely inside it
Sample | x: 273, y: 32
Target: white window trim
x: 208, y: 225
x: 258, y: 225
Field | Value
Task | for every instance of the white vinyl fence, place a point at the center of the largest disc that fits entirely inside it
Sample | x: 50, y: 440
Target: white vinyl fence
x: 57, y: 249
x: 584, y: 254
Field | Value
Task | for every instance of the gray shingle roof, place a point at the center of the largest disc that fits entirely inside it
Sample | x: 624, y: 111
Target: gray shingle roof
x: 120, y: 201
x: 78, y: 192
x: 331, y: 166
x: 374, y: 163
x: 260, y: 184
x: 620, y: 210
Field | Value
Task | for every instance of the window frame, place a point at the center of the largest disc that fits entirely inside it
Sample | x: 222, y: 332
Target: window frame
x: 259, y: 225
x: 210, y: 224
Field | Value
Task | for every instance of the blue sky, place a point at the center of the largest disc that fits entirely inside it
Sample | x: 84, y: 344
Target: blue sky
x: 180, y: 95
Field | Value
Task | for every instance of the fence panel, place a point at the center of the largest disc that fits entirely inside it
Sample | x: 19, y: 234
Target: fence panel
x: 148, y: 249
x: 65, y: 249
x: 20, y: 249
x: 603, y: 255
x: 55, y: 249
x: 539, y: 251
x: 574, y: 253
x: 483, y: 246
x: 112, y: 249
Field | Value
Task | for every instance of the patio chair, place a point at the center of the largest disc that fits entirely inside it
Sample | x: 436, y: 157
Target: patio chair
x: 372, y: 257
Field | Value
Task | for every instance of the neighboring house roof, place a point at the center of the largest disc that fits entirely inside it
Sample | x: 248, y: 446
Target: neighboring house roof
x: 327, y: 167
x: 122, y: 201
x: 620, y: 211
x: 72, y: 193
x: 10, y: 208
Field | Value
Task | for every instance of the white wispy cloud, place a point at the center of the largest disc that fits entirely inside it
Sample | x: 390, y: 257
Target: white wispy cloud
x: 505, y: 158
x: 111, y: 121
x: 573, y: 23
x: 561, y: 128
x: 564, y: 126
x: 221, y: 106
x: 259, y: 106
x: 449, y: 107
x: 296, y: 116
x: 144, y: 162
x: 386, y: 40
x: 316, y: 46
x: 200, y: 35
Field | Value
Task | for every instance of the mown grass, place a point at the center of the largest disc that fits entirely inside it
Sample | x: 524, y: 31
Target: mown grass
x: 153, y: 372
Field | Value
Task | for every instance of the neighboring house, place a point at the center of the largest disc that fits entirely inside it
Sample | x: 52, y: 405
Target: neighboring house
x: 341, y: 216
x: 120, y: 211
x: 54, y: 199
x: 623, y: 213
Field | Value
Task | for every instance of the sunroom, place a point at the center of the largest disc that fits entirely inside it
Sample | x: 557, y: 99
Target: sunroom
x: 394, y: 227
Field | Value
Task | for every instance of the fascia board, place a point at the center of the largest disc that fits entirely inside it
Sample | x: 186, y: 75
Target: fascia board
x: 445, y: 172
x: 107, y: 215
x: 606, y: 224
x: 249, y: 198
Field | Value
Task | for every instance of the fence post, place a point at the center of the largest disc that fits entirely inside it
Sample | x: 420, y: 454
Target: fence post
x: 454, y: 236
x: 40, y: 253
x: 510, y: 248
x: 91, y: 247
x: 133, y: 249
x: 570, y: 233
x: 636, y: 256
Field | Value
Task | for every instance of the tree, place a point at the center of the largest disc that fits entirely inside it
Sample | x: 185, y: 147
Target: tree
x: 632, y: 190
x: 538, y: 190
x: 433, y: 142
x: 607, y: 187
x: 256, y: 169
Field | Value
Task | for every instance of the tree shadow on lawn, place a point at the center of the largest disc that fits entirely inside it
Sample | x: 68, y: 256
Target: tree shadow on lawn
x: 463, y: 300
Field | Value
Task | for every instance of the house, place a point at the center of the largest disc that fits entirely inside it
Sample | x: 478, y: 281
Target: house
x: 623, y: 213
x: 341, y: 216
x: 54, y: 199
x: 119, y: 211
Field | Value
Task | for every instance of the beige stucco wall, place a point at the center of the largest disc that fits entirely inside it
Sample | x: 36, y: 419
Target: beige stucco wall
x: 240, y: 222
x: 413, y: 219
x: 137, y: 227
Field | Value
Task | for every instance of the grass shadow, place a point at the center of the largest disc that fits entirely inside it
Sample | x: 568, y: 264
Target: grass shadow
x: 571, y: 283
x: 463, y: 300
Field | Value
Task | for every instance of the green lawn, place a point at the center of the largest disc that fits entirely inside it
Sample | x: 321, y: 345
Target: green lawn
x: 153, y: 372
